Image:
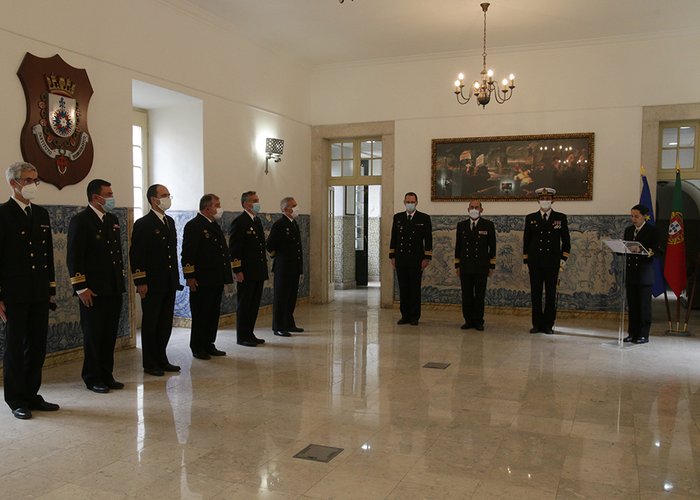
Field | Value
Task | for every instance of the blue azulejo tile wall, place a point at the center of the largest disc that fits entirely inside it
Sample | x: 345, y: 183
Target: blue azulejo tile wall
x: 64, y: 323
x: 590, y: 281
x: 228, y: 302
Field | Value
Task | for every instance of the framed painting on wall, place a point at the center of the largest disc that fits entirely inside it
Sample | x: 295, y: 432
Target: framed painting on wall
x: 511, y: 168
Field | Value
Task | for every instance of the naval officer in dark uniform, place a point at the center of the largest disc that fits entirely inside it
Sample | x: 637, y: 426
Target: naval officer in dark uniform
x: 410, y: 251
x: 96, y: 269
x: 640, y: 275
x: 475, y: 259
x: 206, y: 264
x: 546, y: 247
x: 249, y: 263
x: 153, y: 258
x: 27, y: 287
x: 284, y: 245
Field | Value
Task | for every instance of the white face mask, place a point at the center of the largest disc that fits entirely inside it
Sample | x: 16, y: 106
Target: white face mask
x: 164, y: 203
x: 545, y: 205
x: 219, y: 213
x: 295, y: 212
x: 474, y: 213
x: 29, y: 191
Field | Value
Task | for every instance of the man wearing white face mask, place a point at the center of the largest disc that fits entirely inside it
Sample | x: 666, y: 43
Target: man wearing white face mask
x: 410, y: 251
x: 27, y: 287
x: 249, y: 263
x: 206, y: 264
x: 475, y: 258
x: 546, y: 247
x: 154, y: 270
x: 96, y: 269
x: 284, y: 245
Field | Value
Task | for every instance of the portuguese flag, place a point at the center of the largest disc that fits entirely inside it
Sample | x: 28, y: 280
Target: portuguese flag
x: 674, y: 263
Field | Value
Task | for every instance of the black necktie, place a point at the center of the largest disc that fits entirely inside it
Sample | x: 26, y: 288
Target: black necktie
x: 473, y: 226
x: 28, y: 211
x: 544, y: 217
x: 410, y: 218
x: 636, y: 232
x: 165, y: 221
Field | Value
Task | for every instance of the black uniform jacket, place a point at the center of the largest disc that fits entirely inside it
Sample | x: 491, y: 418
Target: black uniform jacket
x: 95, y: 253
x: 205, y: 255
x: 475, y: 251
x: 284, y: 245
x: 153, y: 254
x: 546, y: 243
x: 640, y: 270
x: 248, y: 248
x: 26, y: 254
x: 411, y: 241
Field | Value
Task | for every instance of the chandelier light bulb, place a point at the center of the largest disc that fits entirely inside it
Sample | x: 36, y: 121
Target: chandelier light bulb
x: 477, y: 85
x: 489, y: 73
x: 511, y: 77
x: 461, y: 77
x: 504, y: 82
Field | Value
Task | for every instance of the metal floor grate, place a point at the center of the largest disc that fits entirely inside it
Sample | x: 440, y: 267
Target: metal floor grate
x: 319, y: 453
x: 433, y: 364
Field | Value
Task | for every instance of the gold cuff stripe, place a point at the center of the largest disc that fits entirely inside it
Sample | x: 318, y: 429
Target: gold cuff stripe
x: 236, y: 262
x: 457, y: 261
x: 78, y: 278
x: 138, y: 274
x: 52, y: 284
x: 188, y: 268
x: 565, y: 254
x: 492, y: 261
x: 272, y: 254
x: 428, y: 252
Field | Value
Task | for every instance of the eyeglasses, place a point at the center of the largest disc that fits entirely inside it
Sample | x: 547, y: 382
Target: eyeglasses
x: 26, y: 181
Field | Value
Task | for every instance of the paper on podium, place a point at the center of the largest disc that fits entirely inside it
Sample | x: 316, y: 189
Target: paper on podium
x: 626, y: 247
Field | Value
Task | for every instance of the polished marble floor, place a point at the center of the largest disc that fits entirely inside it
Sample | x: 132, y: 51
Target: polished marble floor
x: 514, y: 416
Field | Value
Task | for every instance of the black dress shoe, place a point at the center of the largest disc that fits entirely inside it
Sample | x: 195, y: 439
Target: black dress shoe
x: 98, y: 388
x: 548, y: 331
x: 170, y: 368
x: 283, y: 334
x: 258, y: 341
x: 296, y: 329
x: 414, y: 322
x: 534, y: 329
x: 629, y: 338
x: 156, y: 372
x: 403, y: 321
x: 466, y: 326
x: 44, y: 406
x: 201, y: 355
x: 479, y: 327
x: 640, y: 340
x: 22, y: 413
x: 114, y: 384
x: 247, y: 343
x: 213, y: 351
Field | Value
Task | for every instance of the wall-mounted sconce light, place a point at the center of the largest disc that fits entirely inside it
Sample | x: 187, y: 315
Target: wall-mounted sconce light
x: 273, y: 151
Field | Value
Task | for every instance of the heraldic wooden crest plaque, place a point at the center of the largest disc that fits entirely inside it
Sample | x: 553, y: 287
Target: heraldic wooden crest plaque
x: 55, y: 137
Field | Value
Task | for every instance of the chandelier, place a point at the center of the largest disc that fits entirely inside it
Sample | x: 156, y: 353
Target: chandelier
x: 487, y: 86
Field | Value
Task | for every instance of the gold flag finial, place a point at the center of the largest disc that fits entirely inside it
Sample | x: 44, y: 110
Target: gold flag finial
x: 643, y: 171
x: 678, y: 165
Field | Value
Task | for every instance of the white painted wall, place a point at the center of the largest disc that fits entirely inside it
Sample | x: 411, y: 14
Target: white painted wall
x: 151, y: 41
x: 598, y: 88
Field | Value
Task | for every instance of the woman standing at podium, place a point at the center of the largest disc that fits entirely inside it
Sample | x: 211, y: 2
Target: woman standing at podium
x: 640, y: 275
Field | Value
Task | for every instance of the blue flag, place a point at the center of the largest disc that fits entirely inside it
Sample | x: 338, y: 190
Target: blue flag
x: 659, y: 286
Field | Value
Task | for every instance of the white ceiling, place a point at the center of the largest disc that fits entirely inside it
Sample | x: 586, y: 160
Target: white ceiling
x: 323, y: 32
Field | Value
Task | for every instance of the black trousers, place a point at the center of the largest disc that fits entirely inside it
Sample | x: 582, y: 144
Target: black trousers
x: 547, y: 277
x: 100, y: 324
x: 409, y: 278
x: 247, y: 307
x: 284, y: 300
x: 205, y: 306
x: 156, y: 327
x: 639, y: 309
x: 25, y: 350
x: 473, y: 295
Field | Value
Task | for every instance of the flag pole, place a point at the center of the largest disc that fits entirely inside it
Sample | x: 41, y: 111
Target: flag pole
x: 692, y: 296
